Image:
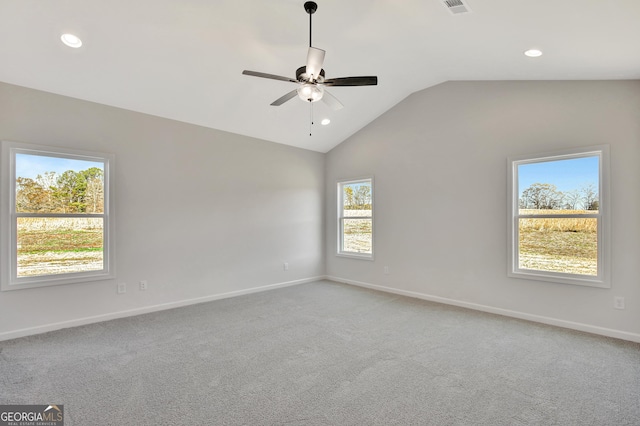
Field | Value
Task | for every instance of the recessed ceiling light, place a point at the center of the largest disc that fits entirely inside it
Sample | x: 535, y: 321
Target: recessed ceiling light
x: 71, y: 40
x: 325, y: 121
x: 533, y: 53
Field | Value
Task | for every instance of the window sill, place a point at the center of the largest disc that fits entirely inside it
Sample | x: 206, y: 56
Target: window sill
x: 361, y: 256
x: 580, y: 280
x: 48, y: 281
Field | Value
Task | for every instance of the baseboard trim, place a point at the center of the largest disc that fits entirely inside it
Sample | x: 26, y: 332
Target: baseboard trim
x: 624, y: 335
x: 14, y: 334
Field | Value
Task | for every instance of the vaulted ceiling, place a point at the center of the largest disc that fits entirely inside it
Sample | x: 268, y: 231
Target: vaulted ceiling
x: 184, y: 59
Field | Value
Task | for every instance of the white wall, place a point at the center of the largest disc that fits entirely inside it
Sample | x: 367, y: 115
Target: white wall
x: 439, y: 159
x: 200, y: 213
x: 231, y: 209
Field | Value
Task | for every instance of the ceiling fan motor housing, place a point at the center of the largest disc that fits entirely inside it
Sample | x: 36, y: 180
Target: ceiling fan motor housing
x: 303, y: 77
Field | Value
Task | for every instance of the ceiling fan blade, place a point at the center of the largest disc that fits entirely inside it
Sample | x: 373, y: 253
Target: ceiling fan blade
x: 271, y: 76
x: 285, y: 98
x: 331, y: 101
x: 352, y: 81
x: 315, y: 59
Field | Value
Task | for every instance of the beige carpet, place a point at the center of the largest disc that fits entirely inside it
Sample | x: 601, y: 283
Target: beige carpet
x: 324, y: 354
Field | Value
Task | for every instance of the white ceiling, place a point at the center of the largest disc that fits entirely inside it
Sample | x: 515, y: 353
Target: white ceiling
x: 183, y: 59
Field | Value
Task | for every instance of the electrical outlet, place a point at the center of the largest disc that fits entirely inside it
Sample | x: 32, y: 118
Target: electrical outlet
x: 618, y: 302
x: 143, y: 285
x: 122, y: 288
x: 285, y: 266
x: 386, y: 270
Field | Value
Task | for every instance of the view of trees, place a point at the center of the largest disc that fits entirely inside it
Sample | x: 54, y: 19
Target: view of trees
x: 546, y: 196
x: 69, y: 192
x: 358, y: 199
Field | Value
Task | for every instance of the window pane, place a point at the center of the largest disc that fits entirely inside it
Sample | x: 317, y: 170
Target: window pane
x: 356, y: 199
x: 58, y: 185
x: 357, y: 235
x: 559, y: 185
x: 48, y: 246
x: 568, y: 245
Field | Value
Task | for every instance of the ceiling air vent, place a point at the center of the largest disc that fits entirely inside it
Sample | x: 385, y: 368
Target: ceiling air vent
x: 456, y: 7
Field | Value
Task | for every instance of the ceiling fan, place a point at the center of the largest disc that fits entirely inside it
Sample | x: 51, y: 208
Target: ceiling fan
x: 311, y: 77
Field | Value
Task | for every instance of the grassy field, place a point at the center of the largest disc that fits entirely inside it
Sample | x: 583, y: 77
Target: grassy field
x: 559, y: 251
x: 357, y: 232
x: 568, y: 245
x: 357, y: 235
x: 59, y: 245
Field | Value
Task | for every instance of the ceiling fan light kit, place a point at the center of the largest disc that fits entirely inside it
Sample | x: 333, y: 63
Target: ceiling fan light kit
x: 311, y: 77
x: 310, y: 92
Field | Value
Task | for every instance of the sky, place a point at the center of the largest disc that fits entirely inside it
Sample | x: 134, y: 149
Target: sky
x: 566, y: 175
x: 30, y: 166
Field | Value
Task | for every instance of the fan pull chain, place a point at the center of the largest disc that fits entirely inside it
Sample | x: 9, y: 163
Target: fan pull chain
x: 310, y: 116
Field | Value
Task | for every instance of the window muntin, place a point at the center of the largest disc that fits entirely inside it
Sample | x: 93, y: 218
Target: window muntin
x: 355, y: 218
x: 56, y: 208
x: 558, y: 217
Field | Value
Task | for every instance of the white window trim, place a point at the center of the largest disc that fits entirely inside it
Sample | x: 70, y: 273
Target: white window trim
x: 8, y: 218
x: 339, y: 251
x: 603, y: 279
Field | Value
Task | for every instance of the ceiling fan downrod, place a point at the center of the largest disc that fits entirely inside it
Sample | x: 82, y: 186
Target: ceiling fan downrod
x: 311, y: 8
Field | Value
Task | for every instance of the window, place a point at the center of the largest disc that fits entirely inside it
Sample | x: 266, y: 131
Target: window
x: 55, y: 210
x: 559, y: 217
x: 355, y: 218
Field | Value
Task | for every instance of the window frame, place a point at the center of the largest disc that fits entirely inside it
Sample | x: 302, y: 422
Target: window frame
x: 9, y: 218
x: 340, y: 250
x: 603, y: 277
